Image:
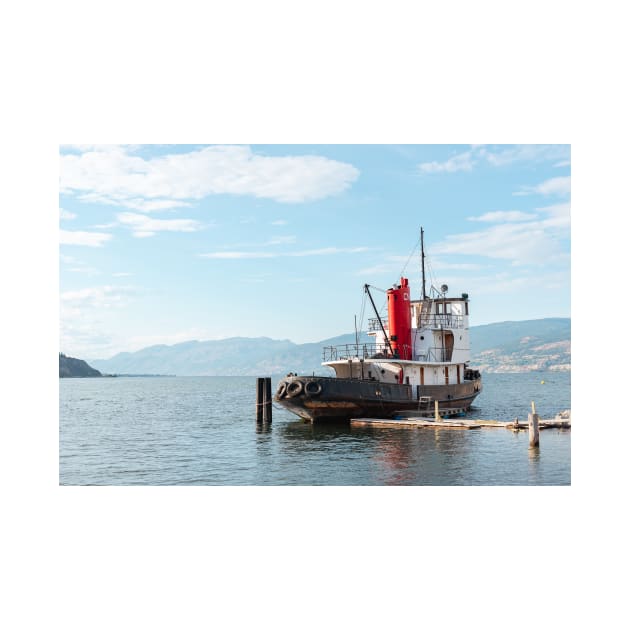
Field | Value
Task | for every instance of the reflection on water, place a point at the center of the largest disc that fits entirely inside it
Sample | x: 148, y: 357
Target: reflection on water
x: 426, y: 456
x: 397, y: 458
x: 534, y: 454
x: 264, y: 427
x: 202, y: 431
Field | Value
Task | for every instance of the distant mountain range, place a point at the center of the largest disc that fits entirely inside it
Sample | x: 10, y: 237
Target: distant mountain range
x: 540, y: 344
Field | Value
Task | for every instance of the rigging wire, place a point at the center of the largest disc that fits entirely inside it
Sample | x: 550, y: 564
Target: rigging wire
x: 400, y: 275
x: 380, y: 310
x: 363, y: 301
x: 432, y: 281
x: 413, y: 251
x: 383, y: 306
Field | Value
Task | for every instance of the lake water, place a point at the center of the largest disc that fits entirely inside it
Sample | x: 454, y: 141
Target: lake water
x: 202, y: 431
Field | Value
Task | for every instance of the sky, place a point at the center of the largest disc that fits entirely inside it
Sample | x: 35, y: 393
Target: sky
x: 161, y: 244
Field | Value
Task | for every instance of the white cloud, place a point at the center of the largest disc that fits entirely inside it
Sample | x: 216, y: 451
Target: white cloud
x: 257, y: 278
x: 378, y: 270
x: 83, y: 339
x: 89, y: 239
x: 396, y: 266
x: 497, y: 284
x: 143, y: 226
x: 65, y: 214
x: 81, y: 311
x: 113, y: 175
x: 460, y: 162
x: 534, y: 242
x: 279, y: 222
x: 104, y: 226
x: 281, y: 240
x: 96, y: 297
x: 555, y: 186
x: 326, y: 251
x: 238, y: 255
x: 537, y: 238
x: 504, y: 155
x: 501, y: 155
x: 82, y: 316
x: 143, y: 205
x: 559, y: 186
x: 90, y: 271
x: 83, y: 148
x: 559, y: 216
x: 504, y: 216
x: 440, y: 265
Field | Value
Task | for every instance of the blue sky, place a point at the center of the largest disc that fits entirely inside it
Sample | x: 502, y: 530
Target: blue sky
x: 167, y: 243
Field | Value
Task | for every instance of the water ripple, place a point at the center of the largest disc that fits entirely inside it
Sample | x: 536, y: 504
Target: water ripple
x: 201, y: 431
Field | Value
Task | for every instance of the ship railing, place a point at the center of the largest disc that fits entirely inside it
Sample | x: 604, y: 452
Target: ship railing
x: 382, y: 351
x: 434, y: 355
x: 373, y: 324
x: 360, y: 351
x: 447, y: 320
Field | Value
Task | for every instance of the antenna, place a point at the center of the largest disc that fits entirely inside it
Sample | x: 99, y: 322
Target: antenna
x: 424, y: 289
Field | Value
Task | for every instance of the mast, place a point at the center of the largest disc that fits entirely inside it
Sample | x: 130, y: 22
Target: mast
x: 424, y: 290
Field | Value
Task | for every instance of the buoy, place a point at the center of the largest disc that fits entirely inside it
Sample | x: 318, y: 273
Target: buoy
x: 542, y: 382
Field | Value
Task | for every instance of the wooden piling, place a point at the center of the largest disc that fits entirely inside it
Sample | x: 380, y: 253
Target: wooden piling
x: 260, y: 394
x: 267, y: 400
x: 532, y: 418
x: 438, y: 418
x: 263, y: 399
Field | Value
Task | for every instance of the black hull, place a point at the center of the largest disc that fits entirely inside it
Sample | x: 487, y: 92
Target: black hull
x: 318, y: 398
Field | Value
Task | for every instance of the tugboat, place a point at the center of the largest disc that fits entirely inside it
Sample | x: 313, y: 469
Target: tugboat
x: 420, y: 355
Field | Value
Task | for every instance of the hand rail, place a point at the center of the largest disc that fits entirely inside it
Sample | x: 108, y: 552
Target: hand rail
x: 447, y: 320
x: 380, y: 351
x: 361, y: 351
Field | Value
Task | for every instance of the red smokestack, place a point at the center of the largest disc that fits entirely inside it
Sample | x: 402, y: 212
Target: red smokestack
x: 399, y: 315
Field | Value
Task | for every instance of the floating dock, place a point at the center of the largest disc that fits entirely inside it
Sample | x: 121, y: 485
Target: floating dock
x: 411, y: 423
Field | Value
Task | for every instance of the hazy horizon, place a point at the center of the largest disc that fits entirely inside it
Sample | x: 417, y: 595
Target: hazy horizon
x: 315, y: 341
